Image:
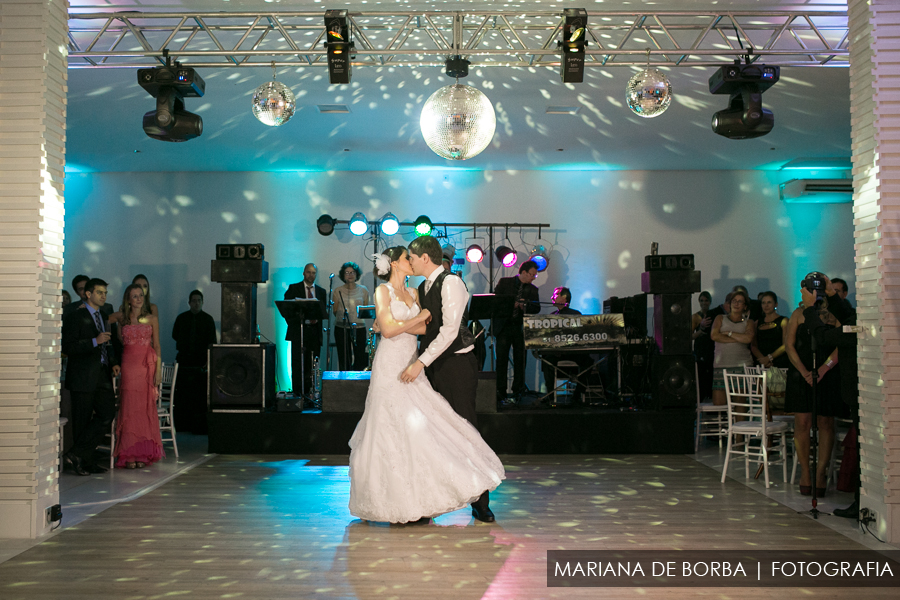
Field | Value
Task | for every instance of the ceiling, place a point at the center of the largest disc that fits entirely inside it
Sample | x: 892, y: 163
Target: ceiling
x: 381, y: 131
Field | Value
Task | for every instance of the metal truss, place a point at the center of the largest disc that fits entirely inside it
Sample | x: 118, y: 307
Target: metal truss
x: 486, y: 38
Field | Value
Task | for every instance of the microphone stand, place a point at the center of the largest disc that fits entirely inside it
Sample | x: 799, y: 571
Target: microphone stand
x: 814, y: 434
x: 348, y: 339
x: 328, y: 327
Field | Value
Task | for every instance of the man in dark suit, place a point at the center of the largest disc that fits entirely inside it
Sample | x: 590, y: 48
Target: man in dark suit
x: 312, y: 331
x: 509, y: 332
x: 78, y: 284
x: 194, y: 332
x: 92, y: 364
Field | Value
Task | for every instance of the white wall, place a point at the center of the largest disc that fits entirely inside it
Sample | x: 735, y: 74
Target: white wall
x: 166, y: 225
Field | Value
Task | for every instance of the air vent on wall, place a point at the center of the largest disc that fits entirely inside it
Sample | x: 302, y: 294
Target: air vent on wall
x: 333, y: 108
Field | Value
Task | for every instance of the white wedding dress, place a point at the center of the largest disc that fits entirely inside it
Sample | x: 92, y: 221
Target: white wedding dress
x: 411, y: 455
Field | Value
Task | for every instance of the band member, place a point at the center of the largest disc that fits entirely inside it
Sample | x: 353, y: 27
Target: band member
x: 311, y: 330
x: 509, y: 331
x: 349, y: 329
x: 561, y: 299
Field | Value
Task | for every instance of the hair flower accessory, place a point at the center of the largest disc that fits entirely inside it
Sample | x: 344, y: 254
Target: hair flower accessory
x: 382, y: 263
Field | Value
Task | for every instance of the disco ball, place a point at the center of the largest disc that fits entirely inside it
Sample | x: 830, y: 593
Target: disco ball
x: 273, y: 103
x: 648, y: 93
x: 458, y: 122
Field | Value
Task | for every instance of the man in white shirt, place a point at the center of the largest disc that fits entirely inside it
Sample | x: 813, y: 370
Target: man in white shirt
x: 446, y: 347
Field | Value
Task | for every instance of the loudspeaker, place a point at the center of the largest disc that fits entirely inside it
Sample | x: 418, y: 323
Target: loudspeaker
x: 670, y: 282
x: 634, y: 310
x: 238, y: 313
x: 240, y: 251
x: 239, y: 271
x: 669, y: 262
x: 673, y: 381
x: 672, y: 323
x: 241, y: 377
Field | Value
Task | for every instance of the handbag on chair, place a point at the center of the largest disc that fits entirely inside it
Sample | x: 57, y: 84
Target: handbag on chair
x: 776, y: 383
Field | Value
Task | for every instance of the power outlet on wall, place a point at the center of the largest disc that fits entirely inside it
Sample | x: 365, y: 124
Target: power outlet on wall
x: 867, y: 515
x: 54, y: 513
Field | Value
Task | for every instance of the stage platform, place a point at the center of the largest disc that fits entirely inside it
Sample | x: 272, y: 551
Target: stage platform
x: 512, y: 431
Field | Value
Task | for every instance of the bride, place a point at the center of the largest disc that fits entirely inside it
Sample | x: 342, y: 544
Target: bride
x: 411, y: 456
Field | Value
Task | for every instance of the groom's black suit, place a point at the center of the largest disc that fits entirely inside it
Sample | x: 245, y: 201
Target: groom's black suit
x: 452, y: 374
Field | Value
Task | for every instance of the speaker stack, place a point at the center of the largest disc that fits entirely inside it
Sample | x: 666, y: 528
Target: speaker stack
x: 241, y: 370
x: 672, y: 280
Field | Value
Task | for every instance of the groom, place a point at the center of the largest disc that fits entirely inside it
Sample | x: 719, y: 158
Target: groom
x: 446, y: 347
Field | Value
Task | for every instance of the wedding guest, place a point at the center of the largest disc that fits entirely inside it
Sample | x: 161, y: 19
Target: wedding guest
x: 733, y: 333
x: 92, y: 364
x: 194, y: 332
x: 704, y: 347
x: 142, y: 281
x: 349, y: 329
x: 768, y: 346
x: 138, y: 441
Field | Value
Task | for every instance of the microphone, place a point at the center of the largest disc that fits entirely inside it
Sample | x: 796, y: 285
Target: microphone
x: 331, y: 276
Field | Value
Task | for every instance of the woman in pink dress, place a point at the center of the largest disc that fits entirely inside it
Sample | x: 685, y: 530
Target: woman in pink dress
x: 138, y: 442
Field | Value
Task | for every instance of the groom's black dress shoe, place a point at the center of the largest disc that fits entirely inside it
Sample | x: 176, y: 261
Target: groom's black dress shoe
x: 73, y: 463
x: 483, y: 514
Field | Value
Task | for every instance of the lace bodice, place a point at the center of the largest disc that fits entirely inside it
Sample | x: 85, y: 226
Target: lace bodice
x: 137, y: 335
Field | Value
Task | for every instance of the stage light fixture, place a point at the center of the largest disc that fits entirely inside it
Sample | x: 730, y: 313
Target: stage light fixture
x: 170, y: 85
x: 506, y: 255
x: 458, y: 121
x: 423, y: 226
x: 338, y: 45
x: 540, y: 254
x: 273, y: 102
x: 474, y: 253
x: 390, y: 224
x: 358, y: 224
x: 745, y: 117
x: 573, y: 44
x: 325, y: 225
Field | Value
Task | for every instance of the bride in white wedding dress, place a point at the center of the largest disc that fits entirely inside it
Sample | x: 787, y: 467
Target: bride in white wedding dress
x: 411, y: 456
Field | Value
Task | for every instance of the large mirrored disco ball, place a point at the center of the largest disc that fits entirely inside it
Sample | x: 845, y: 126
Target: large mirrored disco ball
x: 458, y: 122
x: 273, y: 103
x: 649, y: 93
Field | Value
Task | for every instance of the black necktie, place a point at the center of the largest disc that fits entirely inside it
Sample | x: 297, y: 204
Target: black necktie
x: 99, y: 322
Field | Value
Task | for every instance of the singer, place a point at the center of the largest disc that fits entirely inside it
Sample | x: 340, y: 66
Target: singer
x: 349, y: 330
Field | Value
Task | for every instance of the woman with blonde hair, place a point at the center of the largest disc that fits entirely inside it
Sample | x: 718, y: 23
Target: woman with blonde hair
x: 138, y: 441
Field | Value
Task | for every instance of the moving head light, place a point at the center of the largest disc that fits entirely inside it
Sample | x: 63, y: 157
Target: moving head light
x: 745, y: 117
x: 170, y: 85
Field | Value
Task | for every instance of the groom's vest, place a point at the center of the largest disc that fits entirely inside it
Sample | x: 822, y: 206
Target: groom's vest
x: 432, y: 301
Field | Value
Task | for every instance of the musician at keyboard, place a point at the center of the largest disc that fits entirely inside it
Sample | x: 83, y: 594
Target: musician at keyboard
x: 561, y: 299
x: 508, y: 332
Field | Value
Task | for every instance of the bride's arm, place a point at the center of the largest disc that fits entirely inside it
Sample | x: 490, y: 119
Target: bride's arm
x: 389, y: 326
x: 420, y: 328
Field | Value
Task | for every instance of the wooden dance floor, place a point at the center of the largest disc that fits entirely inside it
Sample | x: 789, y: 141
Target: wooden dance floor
x: 278, y: 527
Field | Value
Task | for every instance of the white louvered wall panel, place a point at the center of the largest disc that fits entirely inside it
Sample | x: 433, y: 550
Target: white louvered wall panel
x: 875, y: 123
x: 32, y: 161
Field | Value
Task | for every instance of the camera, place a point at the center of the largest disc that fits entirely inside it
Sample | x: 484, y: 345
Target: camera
x: 814, y: 282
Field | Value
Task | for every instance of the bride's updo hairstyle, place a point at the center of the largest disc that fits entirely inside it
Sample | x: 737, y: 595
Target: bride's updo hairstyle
x: 382, y: 272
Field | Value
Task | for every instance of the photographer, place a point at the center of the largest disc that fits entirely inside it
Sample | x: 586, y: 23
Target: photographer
x: 846, y: 343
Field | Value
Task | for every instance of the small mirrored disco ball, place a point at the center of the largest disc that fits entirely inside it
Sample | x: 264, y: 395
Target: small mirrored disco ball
x: 273, y: 103
x: 649, y: 93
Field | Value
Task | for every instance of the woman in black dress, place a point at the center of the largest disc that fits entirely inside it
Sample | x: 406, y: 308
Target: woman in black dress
x: 799, y: 398
x: 768, y: 347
